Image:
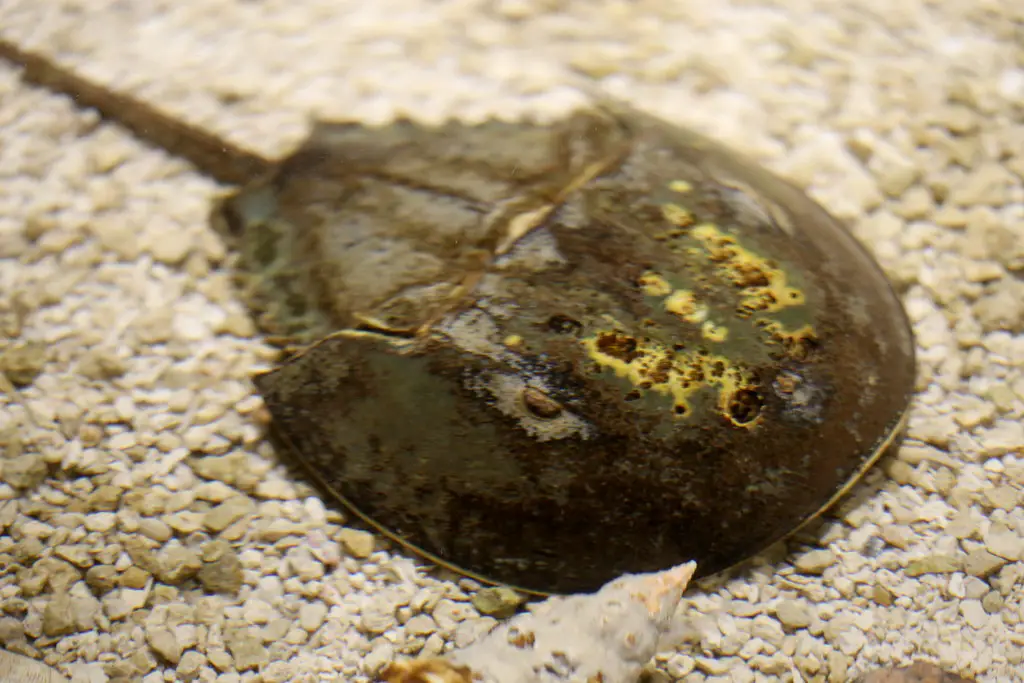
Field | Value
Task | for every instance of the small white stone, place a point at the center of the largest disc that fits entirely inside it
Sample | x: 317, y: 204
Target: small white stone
x: 304, y: 565
x: 974, y: 614
x: 312, y: 615
x: 794, y: 614
x: 101, y: 522
x: 163, y: 642
x: 851, y: 641
x: 375, y: 620
x: 315, y: 512
x: 988, y: 183
x: 1005, y: 436
x: 1004, y: 542
x: 974, y: 587
x: 257, y: 611
x: 713, y: 666
x: 421, y: 625
x: 156, y: 529
x: 277, y: 489
x: 815, y: 561
x: 123, y: 441
x: 894, y: 172
x: 277, y: 529
x: 168, y: 243
x: 382, y: 653
x: 679, y: 665
x: 356, y: 542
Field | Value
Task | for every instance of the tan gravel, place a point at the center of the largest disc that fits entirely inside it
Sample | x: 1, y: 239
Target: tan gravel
x: 150, y: 534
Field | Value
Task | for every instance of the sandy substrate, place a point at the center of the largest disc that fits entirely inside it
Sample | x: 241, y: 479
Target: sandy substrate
x: 904, y: 118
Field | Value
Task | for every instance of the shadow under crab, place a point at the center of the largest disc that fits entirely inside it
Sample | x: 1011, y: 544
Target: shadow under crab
x: 550, y: 355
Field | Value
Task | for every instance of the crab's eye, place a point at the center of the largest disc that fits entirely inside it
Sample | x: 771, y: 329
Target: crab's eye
x: 563, y: 324
x: 540, y: 404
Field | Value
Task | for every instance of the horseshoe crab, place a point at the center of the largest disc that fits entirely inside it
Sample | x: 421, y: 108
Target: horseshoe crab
x: 550, y: 355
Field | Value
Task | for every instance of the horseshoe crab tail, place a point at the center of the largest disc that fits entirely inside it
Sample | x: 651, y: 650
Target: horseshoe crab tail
x: 214, y: 156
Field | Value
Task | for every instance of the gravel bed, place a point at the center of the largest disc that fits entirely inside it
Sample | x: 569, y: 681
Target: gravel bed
x: 150, y: 533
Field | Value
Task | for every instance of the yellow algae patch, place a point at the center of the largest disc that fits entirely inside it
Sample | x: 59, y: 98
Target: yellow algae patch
x: 713, y: 332
x: 654, y: 284
x: 798, y: 343
x: 650, y: 366
x: 513, y: 341
x: 763, y: 285
x: 683, y: 303
x: 680, y: 186
x: 677, y: 215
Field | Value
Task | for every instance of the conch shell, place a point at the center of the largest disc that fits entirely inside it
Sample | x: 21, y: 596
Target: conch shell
x: 603, y: 637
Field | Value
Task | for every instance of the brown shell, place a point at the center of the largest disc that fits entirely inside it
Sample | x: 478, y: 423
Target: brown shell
x: 551, y: 355
x: 555, y: 355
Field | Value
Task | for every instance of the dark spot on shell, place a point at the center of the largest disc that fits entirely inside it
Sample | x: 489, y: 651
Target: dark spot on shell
x: 745, y: 406
x: 751, y: 276
x: 563, y: 324
x: 660, y: 373
x: 619, y: 346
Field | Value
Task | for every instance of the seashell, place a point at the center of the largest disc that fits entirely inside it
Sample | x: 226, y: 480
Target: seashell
x: 603, y: 637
